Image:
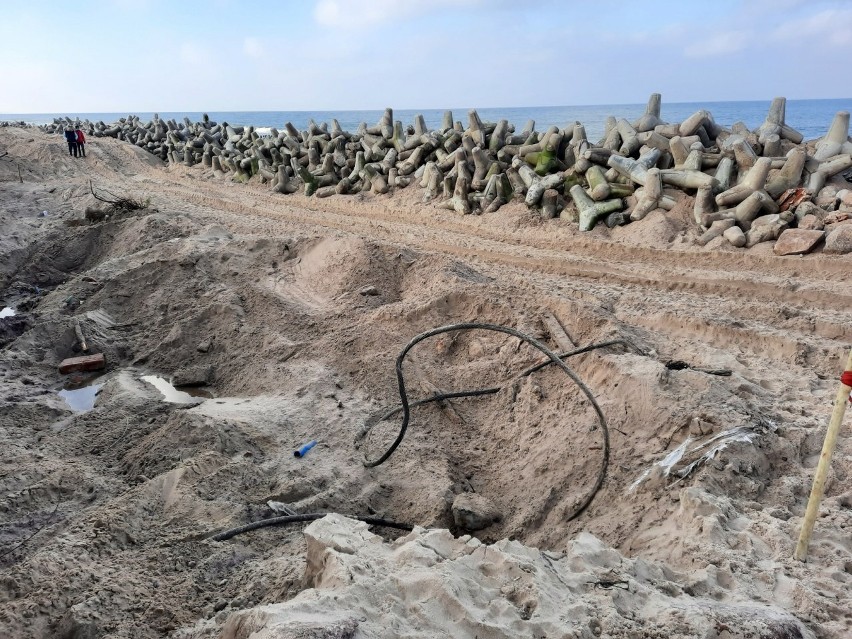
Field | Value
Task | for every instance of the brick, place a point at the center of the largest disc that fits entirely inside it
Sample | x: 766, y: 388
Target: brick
x: 84, y: 363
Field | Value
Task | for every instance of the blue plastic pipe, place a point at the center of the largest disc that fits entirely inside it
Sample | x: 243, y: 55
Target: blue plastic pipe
x: 303, y: 450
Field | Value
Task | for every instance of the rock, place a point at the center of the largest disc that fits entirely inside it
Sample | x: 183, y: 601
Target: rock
x: 809, y: 208
x: 827, y: 198
x: 204, y: 345
x: 811, y: 223
x: 780, y: 513
x: 369, y: 290
x: 699, y: 428
x: 198, y: 375
x: 837, y: 216
x: 765, y: 229
x: 80, y: 621
x: 220, y: 605
x: 797, y: 241
x: 95, y: 214
x: 619, y: 218
x: 735, y: 236
x: 839, y: 240
x: 472, y: 511
x: 716, y: 229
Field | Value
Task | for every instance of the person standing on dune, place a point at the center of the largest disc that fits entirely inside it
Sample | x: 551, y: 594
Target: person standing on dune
x: 81, y: 142
x: 71, y: 138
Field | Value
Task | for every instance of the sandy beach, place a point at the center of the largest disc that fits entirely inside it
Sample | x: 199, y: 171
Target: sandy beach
x: 288, y: 312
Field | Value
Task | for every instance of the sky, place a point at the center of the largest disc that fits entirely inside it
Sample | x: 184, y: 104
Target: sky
x: 302, y: 55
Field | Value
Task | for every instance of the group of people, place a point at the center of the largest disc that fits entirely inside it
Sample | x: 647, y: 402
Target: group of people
x: 76, y: 141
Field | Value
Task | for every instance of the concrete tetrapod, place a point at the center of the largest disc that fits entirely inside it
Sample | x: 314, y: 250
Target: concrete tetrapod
x: 636, y: 170
x: 688, y: 179
x: 716, y: 229
x: 754, y: 180
x: 540, y: 185
x: 650, y: 196
x: 591, y: 211
x: 836, y: 141
x: 699, y: 120
x: 651, y: 118
x: 704, y: 206
x: 390, y: 154
x: 601, y: 189
x: 826, y: 170
x: 725, y: 173
x: 459, y: 202
x: 790, y: 174
x: 775, y: 123
x: 549, y: 204
x: 629, y: 141
x: 751, y: 208
x: 611, y: 140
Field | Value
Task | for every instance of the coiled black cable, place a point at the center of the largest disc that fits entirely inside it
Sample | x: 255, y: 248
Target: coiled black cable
x: 553, y: 358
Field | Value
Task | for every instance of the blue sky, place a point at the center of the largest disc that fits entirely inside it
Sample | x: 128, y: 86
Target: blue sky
x: 223, y: 55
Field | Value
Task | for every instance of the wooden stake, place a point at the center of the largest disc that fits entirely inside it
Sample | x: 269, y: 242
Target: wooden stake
x: 822, y: 468
x: 80, y: 338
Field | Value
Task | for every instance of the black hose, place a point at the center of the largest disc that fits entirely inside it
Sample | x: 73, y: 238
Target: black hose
x: 294, y: 519
x: 439, y: 397
x: 576, y: 351
x: 553, y: 358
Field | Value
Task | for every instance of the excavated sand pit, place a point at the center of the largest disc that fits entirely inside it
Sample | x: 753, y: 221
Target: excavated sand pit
x: 292, y: 313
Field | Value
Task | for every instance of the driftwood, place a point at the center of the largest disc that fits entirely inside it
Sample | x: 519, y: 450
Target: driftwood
x: 116, y: 204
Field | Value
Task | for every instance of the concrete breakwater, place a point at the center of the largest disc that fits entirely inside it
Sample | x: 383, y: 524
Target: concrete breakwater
x: 746, y: 185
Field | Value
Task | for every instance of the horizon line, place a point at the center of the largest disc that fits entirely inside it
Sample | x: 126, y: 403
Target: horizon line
x: 537, y: 106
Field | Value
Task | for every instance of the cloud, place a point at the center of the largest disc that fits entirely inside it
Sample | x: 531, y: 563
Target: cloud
x: 349, y: 14
x: 724, y: 43
x: 252, y: 47
x: 832, y: 26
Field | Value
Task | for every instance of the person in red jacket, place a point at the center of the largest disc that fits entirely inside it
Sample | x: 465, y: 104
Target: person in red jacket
x: 81, y: 141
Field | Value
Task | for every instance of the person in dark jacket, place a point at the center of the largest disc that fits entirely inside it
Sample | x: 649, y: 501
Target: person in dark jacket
x: 81, y: 142
x: 71, y: 138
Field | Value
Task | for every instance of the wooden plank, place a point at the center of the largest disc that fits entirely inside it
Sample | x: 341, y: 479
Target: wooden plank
x: 557, y: 332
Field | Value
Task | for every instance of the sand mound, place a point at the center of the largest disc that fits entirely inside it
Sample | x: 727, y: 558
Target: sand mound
x: 430, y: 584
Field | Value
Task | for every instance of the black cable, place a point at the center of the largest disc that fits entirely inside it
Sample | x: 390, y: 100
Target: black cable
x: 294, y: 519
x: 553, y: 359
x: 439, y: 397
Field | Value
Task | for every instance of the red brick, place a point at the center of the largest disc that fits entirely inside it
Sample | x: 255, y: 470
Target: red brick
x: 85, y: 363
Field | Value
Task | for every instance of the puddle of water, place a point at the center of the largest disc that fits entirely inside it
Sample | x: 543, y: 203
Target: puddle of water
x: 184, y: 395
x: 7, y: 311
x: 81, y: 379
x: 81, y: 400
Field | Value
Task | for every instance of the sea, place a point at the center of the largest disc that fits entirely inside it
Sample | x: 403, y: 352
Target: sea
x: 810, y: 117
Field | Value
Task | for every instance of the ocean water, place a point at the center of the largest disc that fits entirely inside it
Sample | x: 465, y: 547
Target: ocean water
x: 811, y: 117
